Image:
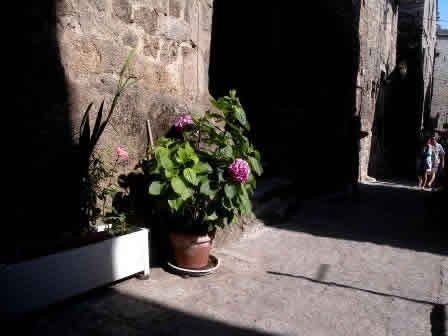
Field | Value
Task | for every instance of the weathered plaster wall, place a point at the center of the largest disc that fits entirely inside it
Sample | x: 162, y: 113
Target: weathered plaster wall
x: 378, y: 37
x: 172, y: 41
x: 439, y: 108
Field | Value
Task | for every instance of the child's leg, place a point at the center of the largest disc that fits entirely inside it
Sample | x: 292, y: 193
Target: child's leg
x: 420, y: 180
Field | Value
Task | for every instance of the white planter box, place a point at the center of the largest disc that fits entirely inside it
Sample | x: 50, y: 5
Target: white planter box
x: 36, y: 283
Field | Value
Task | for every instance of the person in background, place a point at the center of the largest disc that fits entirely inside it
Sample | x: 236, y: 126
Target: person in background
x: 438, y: 160
x: 424, y: 162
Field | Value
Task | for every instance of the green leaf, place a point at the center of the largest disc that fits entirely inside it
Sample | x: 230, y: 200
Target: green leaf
x: 163, y: 156
x: 202, y: 167
x: 226, y: 152
x: 190, y: 176
x: 214, y: 103
x: 84, y: 140
x: 245, y: 205
x: 203, y: 178
x: 227, y: 204
x: 156, y: 188
x: 251, y: 181
x: 215, y: 116
x: 240, y: 115
x: 170, y: 173
x: 126, y: 65
x: 181, y: 155
x: 211, y: 217
x: 230, y: 190
x: 175, y: 204
x: 243, y: 190
x: 180, y: 188
x: 164, y: 142
x: 221, y: 175
x: 99, y: 118
x: 191, y: 154
x: 221, y: 105
x: 255, y: 165
x: 207, y: 190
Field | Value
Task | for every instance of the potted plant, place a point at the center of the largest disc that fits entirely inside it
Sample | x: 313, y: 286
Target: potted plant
x: 202, y: 176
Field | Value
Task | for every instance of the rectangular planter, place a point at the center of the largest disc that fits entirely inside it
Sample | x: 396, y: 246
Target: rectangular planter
x: 34, y: 284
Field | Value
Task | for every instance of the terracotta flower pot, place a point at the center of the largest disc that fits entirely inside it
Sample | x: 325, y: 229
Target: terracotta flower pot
x: 191, y: 251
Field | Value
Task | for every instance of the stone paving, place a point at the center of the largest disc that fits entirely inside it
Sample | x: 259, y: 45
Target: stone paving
x: 296, y: 276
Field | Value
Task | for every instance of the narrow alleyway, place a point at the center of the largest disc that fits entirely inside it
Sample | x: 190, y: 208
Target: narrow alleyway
x: 325, y: 266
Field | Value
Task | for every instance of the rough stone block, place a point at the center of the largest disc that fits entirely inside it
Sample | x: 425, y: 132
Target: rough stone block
x: 175, y: 29
x: 151, y: 47
x: 169, y: 52
x: 175, y: 8
x: 80, y: 55
x: 148, y: 19
x: 130, y: 39
x: 123, y: 10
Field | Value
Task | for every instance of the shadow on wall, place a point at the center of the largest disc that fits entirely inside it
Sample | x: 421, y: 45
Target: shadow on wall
x: 298, y: 92
x: 377, y: 163
x: 403, y: 117
x: 42, y: 183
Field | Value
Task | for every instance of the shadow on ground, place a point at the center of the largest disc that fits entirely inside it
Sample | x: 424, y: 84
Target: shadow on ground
x: 107, y: 312
x: 387, y: 213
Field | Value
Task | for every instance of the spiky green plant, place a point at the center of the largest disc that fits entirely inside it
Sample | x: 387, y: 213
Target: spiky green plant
x: 90, y: 177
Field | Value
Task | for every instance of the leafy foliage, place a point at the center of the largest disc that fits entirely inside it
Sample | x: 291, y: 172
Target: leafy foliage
x: 93, y: 171
x: 189, y: 174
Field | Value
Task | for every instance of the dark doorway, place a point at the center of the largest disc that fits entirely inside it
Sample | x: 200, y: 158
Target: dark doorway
x: 294, y: 67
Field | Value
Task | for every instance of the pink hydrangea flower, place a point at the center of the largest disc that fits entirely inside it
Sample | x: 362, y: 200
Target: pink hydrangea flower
x: 239, y: 170
x: 121, y: 152
x: 184, y: 119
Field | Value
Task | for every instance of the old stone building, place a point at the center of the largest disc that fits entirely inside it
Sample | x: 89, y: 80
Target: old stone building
x: 439, y: 108
x: 378, y: 41
x: 417, y: 25
x: 68, y: 54
x: 304, y: 72
x: 172, y: 41
x: 411, y: 94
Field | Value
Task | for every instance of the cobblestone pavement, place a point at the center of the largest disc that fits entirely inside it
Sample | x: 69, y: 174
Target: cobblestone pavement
x: 324, y: 267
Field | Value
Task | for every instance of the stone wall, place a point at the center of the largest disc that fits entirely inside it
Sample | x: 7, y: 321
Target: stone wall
x: 378, y: 37
x: 172, y: 41
x: 417, y: 22
x: 412, y: 92
x: 439, y: 108
x: 66, y: 55
x: 429, y: 39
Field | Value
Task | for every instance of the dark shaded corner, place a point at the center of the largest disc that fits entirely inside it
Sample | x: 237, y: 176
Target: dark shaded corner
x: 438, y: 318
x: 104, y: 310
x: 42, y: 179
x: 298, y: 93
